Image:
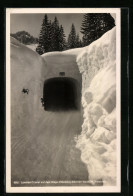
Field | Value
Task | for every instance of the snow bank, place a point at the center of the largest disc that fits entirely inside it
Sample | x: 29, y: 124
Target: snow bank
x: 71, y: 52
x: 97, y: 141
x: 28, y: 71
x: 99, y: 54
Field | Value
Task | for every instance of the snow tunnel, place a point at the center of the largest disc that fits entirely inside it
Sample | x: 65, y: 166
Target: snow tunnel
x: 61, y: 94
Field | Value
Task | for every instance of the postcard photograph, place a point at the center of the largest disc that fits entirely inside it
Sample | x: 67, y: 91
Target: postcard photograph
x: 63, y: 100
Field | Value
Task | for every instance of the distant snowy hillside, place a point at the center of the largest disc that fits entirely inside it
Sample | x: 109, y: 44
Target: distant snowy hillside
x: 24, y: 37
x: 97, y: 141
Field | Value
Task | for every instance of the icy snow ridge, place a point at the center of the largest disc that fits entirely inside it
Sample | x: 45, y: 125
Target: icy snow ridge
x: 97, y: 141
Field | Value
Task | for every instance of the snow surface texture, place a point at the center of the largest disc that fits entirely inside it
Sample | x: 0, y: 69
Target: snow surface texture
x: 28, y: 70
x: 62, y: 62
x: 97, y: 140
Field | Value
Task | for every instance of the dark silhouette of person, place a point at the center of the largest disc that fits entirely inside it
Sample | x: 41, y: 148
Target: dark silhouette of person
x: 25, y: 90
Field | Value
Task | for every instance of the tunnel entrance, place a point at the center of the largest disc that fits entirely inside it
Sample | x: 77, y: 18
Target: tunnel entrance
x: 61, y: 94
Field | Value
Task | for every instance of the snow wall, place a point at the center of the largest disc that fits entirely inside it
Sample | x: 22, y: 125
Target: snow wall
x: 28, y: 70
x: 62, y: 62
x: 97, y: 140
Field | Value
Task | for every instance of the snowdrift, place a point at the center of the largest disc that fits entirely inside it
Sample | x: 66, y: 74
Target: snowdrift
x: 97, y: 140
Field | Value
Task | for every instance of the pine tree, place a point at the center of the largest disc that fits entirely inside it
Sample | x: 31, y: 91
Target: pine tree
x: 72, y: 37
x: 49, y: 37
x: 78, y: 42
x: 40, y: 49
x: 44, y: 37
x: 62, y: 40
x: 94, y: 25
x: 55, y: 35
x: 52, y: 37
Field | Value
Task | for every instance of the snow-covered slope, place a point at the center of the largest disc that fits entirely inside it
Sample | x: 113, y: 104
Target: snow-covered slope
x: 32, y: 46
x: 97, y: 141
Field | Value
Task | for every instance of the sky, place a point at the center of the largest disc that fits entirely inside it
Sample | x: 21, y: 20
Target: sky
x: 32, y: 22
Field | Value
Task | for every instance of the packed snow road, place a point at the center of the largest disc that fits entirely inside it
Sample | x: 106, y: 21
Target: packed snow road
x: 49, y: 153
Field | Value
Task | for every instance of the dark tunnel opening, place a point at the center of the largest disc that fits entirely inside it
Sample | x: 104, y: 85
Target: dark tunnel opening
x: 61, y: 94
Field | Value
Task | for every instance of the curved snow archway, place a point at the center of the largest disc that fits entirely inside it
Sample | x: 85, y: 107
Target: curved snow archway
x: 61, y: 94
